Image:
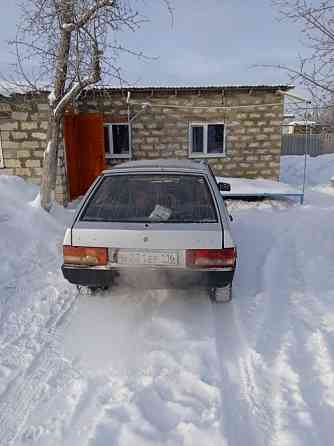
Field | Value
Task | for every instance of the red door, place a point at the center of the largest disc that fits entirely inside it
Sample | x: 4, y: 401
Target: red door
x: 85, y: 153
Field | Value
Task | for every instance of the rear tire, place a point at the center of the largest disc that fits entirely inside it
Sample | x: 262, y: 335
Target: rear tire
x: 97, y: 289
x: 90, y: 290
x: 221, y: 295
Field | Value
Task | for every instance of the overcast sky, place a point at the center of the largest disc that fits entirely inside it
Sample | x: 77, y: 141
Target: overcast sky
x: 210, y: 42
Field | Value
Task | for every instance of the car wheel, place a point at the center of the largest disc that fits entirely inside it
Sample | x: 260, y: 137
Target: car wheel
x: 90, y: 290
x: 97, y: 289
x: 221, y: 295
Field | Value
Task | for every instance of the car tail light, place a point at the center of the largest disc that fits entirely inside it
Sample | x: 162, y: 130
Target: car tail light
x: 78, y: 255
x: 211, y: 258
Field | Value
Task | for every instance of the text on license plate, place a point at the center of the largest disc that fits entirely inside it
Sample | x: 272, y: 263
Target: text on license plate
x: 125, y: 257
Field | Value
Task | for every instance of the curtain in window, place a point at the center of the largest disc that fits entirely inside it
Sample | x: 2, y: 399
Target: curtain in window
x: 120, y: 134
x: 216, y: 138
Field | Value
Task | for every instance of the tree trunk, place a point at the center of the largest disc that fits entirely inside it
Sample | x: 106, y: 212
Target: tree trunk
x: 51, y: 153
x: 59, y: 99
x: 49, y: 176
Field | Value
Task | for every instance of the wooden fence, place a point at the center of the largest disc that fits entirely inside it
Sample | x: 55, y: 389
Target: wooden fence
x: 314, y: 145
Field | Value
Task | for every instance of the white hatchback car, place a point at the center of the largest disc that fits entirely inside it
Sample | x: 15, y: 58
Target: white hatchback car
x: 153, y: 224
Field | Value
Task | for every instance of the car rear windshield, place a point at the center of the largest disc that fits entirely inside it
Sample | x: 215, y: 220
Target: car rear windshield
x: 151, y: 198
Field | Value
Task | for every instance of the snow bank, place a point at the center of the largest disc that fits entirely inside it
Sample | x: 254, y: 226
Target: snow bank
x: 26, y: 231
x: 320, y: 169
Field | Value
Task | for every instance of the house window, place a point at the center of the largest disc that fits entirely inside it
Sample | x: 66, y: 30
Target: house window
x: 206, y: 140
x: 117, y: 140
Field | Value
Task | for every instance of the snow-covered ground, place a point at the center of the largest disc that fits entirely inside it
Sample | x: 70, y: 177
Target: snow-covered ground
x: 242, y: 186
x: 319, y: 171
x: 169, y: 368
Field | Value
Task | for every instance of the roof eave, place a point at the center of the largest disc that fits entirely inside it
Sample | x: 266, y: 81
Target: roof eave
x: 202, y: 88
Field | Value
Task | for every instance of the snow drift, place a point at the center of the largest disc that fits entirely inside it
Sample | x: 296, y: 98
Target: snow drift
x: 319, y: 170
x: 169, y: 368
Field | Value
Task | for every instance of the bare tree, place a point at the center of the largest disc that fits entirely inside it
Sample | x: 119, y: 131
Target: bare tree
x: 315, y: 71
x: 69, y: 45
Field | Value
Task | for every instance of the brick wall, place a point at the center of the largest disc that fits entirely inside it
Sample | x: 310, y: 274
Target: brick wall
x: 23, y: 127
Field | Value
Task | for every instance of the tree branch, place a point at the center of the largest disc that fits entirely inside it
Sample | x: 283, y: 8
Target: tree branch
x: 306, y: 76
x: 87, y: 16
x: 78, y: 87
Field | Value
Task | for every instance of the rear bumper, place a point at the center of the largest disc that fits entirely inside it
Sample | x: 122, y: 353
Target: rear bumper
x: 147, y: 278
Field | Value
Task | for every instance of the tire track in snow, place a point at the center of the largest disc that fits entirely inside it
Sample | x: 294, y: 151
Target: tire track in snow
x: 314, y: 365
x: 23, y: 330
x: 28, y: 283
x: 311, y: 354
x: 323, y: 366
x: 277, y: 282
x: 290, y: 415
x: 299, y: 418
x: 23, y: 393
x: 293, y: 423
x: 81, y: 401
x: 247, y: 355
x: 258, y: 358
x: 246, y: 411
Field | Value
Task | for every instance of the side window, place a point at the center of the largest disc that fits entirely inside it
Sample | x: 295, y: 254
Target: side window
x: 117, y: 140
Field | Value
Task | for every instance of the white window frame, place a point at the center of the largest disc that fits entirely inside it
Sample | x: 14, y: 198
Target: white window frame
x: 111, y: 153
x: 2, y: 161
x: 205, y: 153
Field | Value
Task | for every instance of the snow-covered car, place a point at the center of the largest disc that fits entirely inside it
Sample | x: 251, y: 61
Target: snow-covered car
x: 153, y: 224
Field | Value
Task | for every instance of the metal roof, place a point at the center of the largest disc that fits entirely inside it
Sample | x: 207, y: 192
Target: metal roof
x: 160, y: 164
x: 145, y: 88
x: 10, y: 88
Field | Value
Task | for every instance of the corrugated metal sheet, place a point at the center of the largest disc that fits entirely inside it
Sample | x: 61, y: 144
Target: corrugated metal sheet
x: 314, y: 145
x: 189, y: 87
x: 9, y: 89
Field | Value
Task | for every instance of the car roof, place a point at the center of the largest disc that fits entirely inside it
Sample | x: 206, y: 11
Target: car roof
x: 174, y: 164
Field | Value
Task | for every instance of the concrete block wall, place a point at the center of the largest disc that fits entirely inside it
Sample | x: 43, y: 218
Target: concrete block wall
x: 23, y: 131
x: 253, y: 134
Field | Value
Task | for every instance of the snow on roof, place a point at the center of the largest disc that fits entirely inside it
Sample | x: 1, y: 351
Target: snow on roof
x: 8, y: 88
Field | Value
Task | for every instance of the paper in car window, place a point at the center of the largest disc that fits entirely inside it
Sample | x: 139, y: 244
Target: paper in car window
x: 160, y: 213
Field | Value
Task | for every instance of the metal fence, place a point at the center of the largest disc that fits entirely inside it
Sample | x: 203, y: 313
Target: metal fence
x: 314, y: 145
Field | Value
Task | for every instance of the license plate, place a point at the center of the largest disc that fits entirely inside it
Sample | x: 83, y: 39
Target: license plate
x: 125, y: 257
